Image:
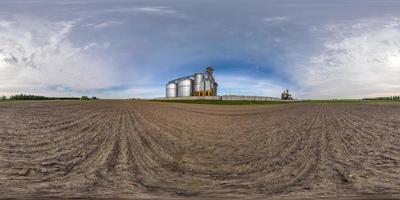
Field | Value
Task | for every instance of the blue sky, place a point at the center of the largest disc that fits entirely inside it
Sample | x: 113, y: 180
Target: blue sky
x: 131, y: 48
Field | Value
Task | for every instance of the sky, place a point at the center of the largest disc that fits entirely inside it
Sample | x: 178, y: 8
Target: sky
x: 318, y: 49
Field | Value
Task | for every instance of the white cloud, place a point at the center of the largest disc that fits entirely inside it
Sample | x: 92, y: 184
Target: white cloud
x: 159, y: 10
x: 5, y: 24
x: 148, y: 92
x: 357, y: 59
x: 36, y: 54
x: 275, y: 19
x: 105, y: 24
x: 243, y: 85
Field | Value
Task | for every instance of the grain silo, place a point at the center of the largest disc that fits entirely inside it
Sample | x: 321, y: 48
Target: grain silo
x: 185, y: 87
x: 171, y: 89
x: 198, y: 84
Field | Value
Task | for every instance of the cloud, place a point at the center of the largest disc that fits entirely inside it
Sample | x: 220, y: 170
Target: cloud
x: 105, y: 24
x: 357, y: 59
x: 244, y: 85
x: 275, y: 19
x: 145, y: 92
x: 5, y: 24
x: 323, y: 50
x: 136, y: 91
x: 37, y: 54
x: 158, y: 10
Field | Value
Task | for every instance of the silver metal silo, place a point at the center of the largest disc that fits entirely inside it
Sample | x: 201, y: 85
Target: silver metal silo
x: 185, y: 87
x: 208, y: 85
x: 171, y: 89
x: 198, y: 83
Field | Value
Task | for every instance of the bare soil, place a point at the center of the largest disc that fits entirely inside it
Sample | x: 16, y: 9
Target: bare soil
x: 139, y: 149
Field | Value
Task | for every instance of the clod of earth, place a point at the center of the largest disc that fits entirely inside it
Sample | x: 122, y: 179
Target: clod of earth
x: 133, y: 149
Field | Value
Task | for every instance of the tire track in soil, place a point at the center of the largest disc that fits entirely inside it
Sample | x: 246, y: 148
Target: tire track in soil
x: 370, y: 155
x: 148, y: 149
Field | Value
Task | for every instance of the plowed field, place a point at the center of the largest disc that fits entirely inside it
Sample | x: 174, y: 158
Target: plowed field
x: 139, y: 149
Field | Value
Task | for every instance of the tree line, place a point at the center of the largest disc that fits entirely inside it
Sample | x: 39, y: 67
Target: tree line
x: 391, y: 98
x: 18, y: 97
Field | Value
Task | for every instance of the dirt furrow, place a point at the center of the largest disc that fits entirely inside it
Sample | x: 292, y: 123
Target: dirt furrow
x: 141, y: 149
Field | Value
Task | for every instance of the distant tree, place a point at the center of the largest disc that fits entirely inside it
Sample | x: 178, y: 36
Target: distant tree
x: 84, y: 98
x: 35, y: 97
x: 4, y: 98
x: 94, y: 98
x: 390, y: 98
x: 28, y: 97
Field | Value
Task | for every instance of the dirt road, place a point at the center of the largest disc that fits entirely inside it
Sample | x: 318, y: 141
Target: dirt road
x: 134, y: 149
